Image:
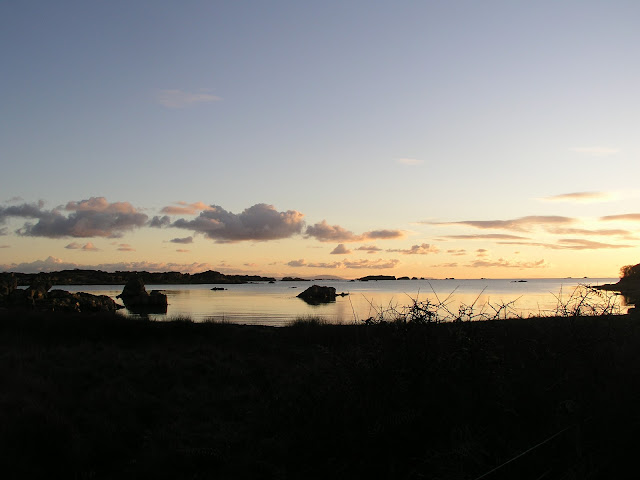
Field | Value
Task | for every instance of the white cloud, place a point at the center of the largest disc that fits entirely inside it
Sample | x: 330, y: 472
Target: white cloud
x: 180, y: 99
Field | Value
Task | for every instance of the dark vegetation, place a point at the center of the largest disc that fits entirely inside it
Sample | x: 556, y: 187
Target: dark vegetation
x: 628, y: 285
x: 99, y: 277
x: 100, y: 396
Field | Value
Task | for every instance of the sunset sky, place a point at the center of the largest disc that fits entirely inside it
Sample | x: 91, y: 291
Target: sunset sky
x: 434, y: 139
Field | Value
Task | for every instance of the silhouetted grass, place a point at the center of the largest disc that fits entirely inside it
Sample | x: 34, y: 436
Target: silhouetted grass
x: 102, y: 396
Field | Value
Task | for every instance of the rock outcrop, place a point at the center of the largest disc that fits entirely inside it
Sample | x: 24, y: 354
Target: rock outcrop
x: 38, y: 296
x: 136, y: 298
x: 316, y: 294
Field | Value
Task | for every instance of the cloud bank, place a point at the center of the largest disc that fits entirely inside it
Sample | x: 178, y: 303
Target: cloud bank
x: 259, y: 223
x: 94, y: 217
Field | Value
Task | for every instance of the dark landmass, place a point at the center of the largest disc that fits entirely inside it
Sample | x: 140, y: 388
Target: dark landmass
x: 98, y: 277
x: 100, y: 396
x: 294, y: 279
x: 377, y: 277
x: 628, y: 285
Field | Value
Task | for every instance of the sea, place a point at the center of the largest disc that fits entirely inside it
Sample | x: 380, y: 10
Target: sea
x: 277, y: 304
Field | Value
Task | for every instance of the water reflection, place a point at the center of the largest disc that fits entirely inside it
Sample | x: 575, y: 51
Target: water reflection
x: 276, y: 304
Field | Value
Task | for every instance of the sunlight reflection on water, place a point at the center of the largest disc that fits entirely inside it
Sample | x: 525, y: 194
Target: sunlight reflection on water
x: 276, y: 304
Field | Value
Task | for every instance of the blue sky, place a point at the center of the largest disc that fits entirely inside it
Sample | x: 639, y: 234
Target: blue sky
x: 411, y: 117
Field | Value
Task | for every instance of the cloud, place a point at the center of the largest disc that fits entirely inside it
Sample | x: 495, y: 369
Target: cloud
x: 182, y: 250
x: 446, y: 265
x: 4, y: 231
x: 571, y: 244
x: 184, y: 208
x: 323, y: 232
x: 584, y: 231
x: 324, y: 265
x: 379, y: 264
x: 125, y: 247
x: 482, y: 252
x: 182, y: 99
x: 422, y: 249
x: 458, y: 252
x: 409, y: 161
x: 159, y: 222
x: 303, y: 263
x: 382, y: 235
x: 87, y: 247
x: 340, y: 250
x: 297, y: 263
x: 596, y: 151
x: 260, y: 222
x: 94, y: 217
x: 579, y: 197
x: 184, y: 240
x: 5, y: 246
x: 354, y: 264
x: 521, y: 224
x: 51, y: 264
x: 634, y: 217
x: 502, y: 263
x: 486, y: 236
x: 369, y: 248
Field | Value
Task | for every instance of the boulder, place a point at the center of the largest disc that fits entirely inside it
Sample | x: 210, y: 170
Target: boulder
x: 317, y: 294
x: 136, y: 298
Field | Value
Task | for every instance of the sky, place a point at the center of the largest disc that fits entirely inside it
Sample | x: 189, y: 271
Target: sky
x: 434, y: 139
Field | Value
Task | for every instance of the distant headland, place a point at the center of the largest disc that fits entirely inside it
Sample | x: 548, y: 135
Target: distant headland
x: 99, y: 277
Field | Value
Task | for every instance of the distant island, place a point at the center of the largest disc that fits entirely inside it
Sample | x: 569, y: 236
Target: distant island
x: 99, y: 277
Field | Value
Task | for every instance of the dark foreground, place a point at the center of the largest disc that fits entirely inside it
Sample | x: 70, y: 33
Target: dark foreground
x: 93, y: 397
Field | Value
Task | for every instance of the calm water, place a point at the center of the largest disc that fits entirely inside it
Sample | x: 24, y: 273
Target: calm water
x: 276, y: 304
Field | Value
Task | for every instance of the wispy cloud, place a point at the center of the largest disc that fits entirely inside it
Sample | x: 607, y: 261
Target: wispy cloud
x: 486, y: 236
x: 580, y: 197
x: 303, y: 263
x: 586, y: 231
x: 596, y: 151
x: 502, y: 263
x: 323, y: 232
x: 458, y: 252
x: 423, y: 249
x: 521, y: 224
x: 409, y: 161
x: 5, y: 246
x: 634, y: 217
x: 182, y: 99
x: 125, y: 247
x: 183, y: 208
x: 182, y: 250
x: 571, y: 244
x: 379, y: 264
